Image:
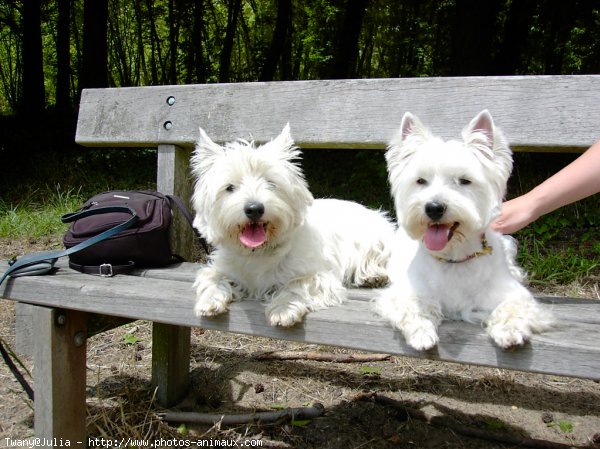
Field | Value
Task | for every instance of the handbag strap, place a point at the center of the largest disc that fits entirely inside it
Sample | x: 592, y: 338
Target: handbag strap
x: 188, y: 216
x: 43, y: 262
x: 105, y: 270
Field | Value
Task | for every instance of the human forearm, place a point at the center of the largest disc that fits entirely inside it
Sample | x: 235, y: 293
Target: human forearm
x: 577, y: 180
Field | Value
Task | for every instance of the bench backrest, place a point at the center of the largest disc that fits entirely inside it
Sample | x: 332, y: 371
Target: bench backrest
x: 559, y: 113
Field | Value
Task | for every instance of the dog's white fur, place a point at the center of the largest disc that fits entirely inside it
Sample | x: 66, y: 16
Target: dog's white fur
x: 298, y: 253
x: 457, y: 187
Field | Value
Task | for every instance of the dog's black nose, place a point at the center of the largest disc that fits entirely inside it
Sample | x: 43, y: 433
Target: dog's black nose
x: 435, y: 210
x: 254, y: 210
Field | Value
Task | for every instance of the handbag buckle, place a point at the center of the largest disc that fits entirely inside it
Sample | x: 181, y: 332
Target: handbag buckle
x: 105, y: 270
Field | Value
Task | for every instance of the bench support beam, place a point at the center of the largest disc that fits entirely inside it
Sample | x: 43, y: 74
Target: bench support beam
x: 60, y: 375
x: 171, y: 344
x: 174, y: 178
x: 170, y: 362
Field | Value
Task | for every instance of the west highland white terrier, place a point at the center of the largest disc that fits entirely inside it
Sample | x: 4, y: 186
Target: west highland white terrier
x: 272, y: 240
x: 446, y: 261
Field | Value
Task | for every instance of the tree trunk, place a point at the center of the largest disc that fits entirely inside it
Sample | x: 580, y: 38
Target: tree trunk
x: 156, y: 61
x: 63, y: 57
x: 141, y: 71
x: 346, y: 49
x: 233, y: 12
x: 475, y: 27
x: 278, y: 42
x: 198, y: 67
x: 516, y: 33
x: 33, y: 98
x: 173, y: 38
x: 94, y: 70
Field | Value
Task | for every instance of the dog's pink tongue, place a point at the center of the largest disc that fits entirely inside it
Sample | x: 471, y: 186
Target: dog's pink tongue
x: 436, y: 237
x: 253, y: 235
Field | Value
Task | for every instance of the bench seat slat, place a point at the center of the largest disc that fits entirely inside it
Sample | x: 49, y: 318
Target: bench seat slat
x: 536, y: 112
x: 569, y: 350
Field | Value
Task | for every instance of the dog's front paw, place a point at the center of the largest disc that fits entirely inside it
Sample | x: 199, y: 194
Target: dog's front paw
x: 211, y: 301
x: 375, y: 282
x: 423, y: 336
x: 285, y: 314
x: 508, y: 336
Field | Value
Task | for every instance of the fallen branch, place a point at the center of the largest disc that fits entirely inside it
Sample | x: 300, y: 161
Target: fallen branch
x: 320, y: 356
x: 288, y: 414
x: 472, y: 432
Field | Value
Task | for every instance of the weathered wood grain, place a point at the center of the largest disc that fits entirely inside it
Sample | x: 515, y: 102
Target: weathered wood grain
x: 536, y: 112
x: 170, y: 362
x: 60, y: 376
x: 571, y: 349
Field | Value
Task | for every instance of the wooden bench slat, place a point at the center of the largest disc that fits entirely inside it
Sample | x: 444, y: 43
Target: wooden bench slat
x: 569, y: 350
x: 536, y: 112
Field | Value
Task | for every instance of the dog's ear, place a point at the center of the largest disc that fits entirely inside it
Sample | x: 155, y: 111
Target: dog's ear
x: 207, y: 146
x: 284, y: 141
x: 490, y: 142
x: 406, y: 142
x: 282, y: 147
x: 480, y: 133
x: 411, y: 126
x: 205, y: 153
x: 407, y: 126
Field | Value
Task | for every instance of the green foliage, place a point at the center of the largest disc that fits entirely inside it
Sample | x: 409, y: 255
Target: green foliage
x: 38, y: 215
x: 32, y: 209
x: 564, y: 426
x: 300, y: 422
x: 164, y: 42
x: 279, y: 406
x: 563, y: 246
x: 495, y: 424
x: 130, y: 339
x: 366, y: 370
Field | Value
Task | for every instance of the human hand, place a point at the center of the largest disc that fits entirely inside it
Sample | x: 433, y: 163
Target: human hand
x: 515, y: 214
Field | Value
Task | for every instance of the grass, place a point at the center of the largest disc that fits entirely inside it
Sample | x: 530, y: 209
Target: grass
x: 561, y: 266
x: 36, y: 218
x: 562, y: 247
x: 558, y: 249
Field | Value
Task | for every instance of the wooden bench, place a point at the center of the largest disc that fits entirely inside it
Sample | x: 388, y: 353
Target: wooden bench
x: 537, y: 113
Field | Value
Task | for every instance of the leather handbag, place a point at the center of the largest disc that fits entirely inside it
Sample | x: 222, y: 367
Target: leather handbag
x: 144, y: 244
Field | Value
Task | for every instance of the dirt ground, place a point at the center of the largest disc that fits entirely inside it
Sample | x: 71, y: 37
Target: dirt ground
x: 432, y: 404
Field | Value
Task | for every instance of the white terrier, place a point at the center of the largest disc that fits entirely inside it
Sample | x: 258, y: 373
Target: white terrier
x: 272, y: 240
x: 446, y: 262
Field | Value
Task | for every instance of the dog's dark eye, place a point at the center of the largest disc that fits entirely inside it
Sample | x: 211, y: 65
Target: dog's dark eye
x: 421, y: 181
x: 271, y: 185
x: 230, y: 188
x: 464, y: 181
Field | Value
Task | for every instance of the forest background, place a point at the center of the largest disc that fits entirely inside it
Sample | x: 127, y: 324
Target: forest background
x: 52, y: 49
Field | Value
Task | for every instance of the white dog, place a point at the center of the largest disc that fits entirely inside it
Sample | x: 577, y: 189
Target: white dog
x: 446, y: 261
x: 272, y: 240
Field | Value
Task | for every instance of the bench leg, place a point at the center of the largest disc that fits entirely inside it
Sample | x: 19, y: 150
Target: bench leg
x: 24, y: 328
x: 170, y: 362
x: 59, y: 352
